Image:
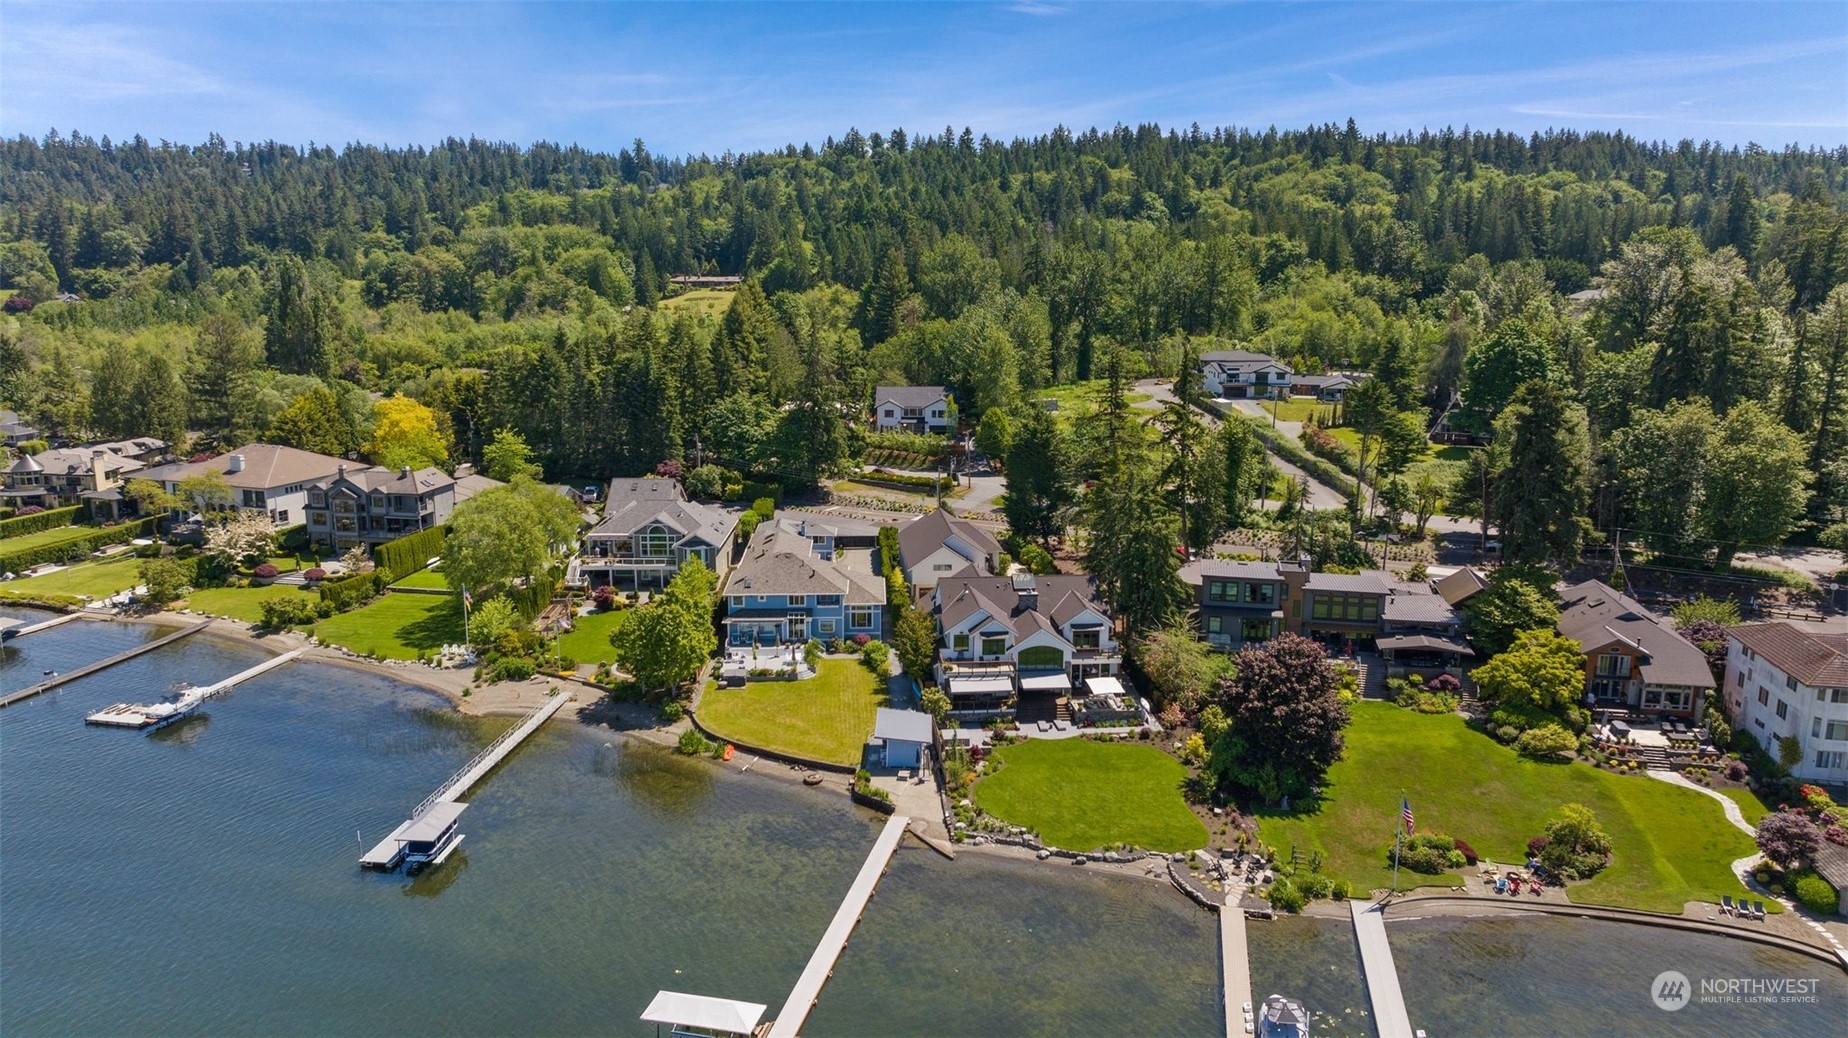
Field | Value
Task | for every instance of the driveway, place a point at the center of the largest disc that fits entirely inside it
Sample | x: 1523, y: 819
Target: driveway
x: 1321, y: 495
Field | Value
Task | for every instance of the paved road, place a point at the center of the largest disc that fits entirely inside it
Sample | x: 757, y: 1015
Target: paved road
x: 1321, y: 495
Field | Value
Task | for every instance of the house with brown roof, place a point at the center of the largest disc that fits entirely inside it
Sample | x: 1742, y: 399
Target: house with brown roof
x: 783, y: 592
x: 1633, y: 658
x: 938, y: 544
x: 262, y: 476
x: 372, y: 505
x: 1026, y: 636
x: 1785, y: 682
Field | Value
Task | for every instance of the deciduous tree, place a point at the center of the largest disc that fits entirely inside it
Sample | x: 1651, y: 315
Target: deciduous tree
x: 405, y: 432
x: 1286, y: 719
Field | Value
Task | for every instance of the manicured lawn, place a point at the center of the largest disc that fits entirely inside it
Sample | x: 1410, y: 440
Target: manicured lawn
x: 244, y: 603
x: 827, y: 717
x: 711, y: 301
x: 1082, y: 795
x: 55, y: 535
x: 97, y: 579
x: 1300, y: 409
x: 1082, y: 398
x: 1671, y: 845
x: 397, y: 627
x: 1749, y: 805
x: 431, y: 578
x: 588, y: 641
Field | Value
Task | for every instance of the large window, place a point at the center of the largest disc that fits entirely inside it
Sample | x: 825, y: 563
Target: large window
x: 1221, y: 591
x: 1350, y: 608
x: 994, y: 646
x: 1613, y: 665
x: 657, y: 543
x: 1836, y: 731
x: 860, y: 616
x: 1831, y: 759
x: 1046, y: 656
x: 1086, y: 638
x: 1263, y: 593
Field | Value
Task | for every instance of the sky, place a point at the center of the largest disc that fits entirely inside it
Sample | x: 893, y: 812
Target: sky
x: 692, y: 78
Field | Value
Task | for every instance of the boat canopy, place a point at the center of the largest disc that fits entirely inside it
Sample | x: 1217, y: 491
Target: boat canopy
x: 720, y: 1015
x: 429, y: 826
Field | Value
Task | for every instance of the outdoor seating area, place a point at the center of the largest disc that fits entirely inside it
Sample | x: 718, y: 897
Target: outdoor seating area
x: 1744, y: 908
x: 1512, y: 882
x: 1668, y: 733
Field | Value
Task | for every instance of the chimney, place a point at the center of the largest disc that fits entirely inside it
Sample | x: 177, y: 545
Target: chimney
x: 1027, y: 590
x: 236, y: 464
x: 404, y: 471
x: 97, y: 479
x: 342, y: 470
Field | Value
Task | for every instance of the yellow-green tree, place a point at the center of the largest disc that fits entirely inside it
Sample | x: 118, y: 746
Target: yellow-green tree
x: 405, y: 433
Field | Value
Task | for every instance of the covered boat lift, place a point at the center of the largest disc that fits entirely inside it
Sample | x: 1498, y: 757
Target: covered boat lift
x: 702, y: 1016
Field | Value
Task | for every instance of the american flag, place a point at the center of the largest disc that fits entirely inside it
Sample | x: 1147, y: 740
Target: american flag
x: 1405, y: 813
x: 467, y: 599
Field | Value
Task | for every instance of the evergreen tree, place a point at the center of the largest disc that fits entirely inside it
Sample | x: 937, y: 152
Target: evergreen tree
x: 297, y: 333
x: 1544, y: 490
x: 221, y: 380
x: 1040, y: 483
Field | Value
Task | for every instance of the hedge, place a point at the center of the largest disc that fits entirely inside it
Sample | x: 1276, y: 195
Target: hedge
x: 1292, y: 451
x: 19, y: 526
x: 532, y: 599
x: 408, y: 554
x: 904, y: 481
x: 347, y: 592
x: 66, y: 551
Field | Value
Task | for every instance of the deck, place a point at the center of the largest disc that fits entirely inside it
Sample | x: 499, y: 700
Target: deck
x: 1382, y: 976
x: 821, y: 964
x: 1235, y: 960
x: 89, y: 669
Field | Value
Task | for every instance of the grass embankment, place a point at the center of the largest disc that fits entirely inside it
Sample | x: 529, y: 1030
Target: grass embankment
x: 1671, y: 845
x: 96, y: 579
x: 396, y: 627
x: 1081, y: 795
x: 55, y: 535
x: 431, y: 579
x: 588, y: 641
x: 244, y: 603
x: 1749, y: 805
x: 708, y: 301
x: 827, y: 718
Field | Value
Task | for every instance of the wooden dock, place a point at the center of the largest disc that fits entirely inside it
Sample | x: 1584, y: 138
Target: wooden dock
x: 1382, y: 976
x: 821, y: 964
x: 86, y: 671
x: 386, y: 850
x: 43, y: 625
x: 1235, y: 960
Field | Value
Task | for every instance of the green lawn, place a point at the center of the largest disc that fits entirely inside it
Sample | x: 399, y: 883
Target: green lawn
x: 397, y: 627
x: 1671, y: 845
x: 827, y: 717
x: 97, y: 579
x: 244, y: 603
x: 1749, y: 805
x: 1300, y: 409
x: 712, y: 301
x: 431, y: 579
x: 1082, y: 795
x: 1078, y: 399
x: 55, y: 535
x: 588, y: 641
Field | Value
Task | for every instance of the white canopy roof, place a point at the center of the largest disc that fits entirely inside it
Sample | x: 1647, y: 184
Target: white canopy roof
x: 1056, y: 681
x: 1104, y: 687
x: 712, y: 1014
x: 974, y: 686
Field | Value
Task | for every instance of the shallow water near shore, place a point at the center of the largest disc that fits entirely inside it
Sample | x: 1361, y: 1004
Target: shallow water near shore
x: 202, y: 880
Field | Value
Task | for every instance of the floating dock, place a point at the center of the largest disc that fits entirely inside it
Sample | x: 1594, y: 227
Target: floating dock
x: 389, y: 852
x: 160, y: 715
x: 10, y: 629
x: 821, y: 964
x: 86, y: 671
x: 1235, y: 960
x: 1382, y: 976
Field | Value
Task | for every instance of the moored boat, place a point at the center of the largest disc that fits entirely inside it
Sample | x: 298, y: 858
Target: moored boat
x: 1282, y: 1017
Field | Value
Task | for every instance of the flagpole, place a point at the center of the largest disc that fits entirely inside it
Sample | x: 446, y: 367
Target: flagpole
x: 1398, y: 835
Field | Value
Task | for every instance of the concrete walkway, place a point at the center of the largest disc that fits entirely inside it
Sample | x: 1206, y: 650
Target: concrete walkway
x: 1744, y: 866
x: 1382, y: 976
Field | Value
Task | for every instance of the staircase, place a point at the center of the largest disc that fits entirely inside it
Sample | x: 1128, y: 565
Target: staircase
x: 1062, y: 710
x: 1654, y: 758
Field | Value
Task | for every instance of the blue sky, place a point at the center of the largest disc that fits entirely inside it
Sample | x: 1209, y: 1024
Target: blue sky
x: 691, y: 78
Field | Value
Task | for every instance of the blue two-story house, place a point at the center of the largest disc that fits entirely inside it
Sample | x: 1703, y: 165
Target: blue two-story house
x: 784, y: 592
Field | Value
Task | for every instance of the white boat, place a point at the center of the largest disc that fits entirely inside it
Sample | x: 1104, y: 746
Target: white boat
x: 149, y: 715
x: 430, y: 838
x: 1282, y: 1017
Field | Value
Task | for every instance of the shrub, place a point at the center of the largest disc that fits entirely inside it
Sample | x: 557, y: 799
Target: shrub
x: 1314, y: 885
x: 511, y: 668
x: 76, y: 548
x: 266, y: 571
x: 1736, y: 770
x: 1429, y: 853
x: 1547, y: 742
x: 1341, y: 890
x: 673, y: 710
x: 1286, y: 897
x: 408, y: 554
x: 876, y: 655
x: 1444, y: 683
x: 707, y: 481
x: 1468, y: 852
x: 693, y: 744
x: 315, y: 575
x: 282, y: 612
x: 33, y: 519
x: 1786, y: 837
x: 1577, y: 846
x: 604, y: 597
x: 1535, y: 846
x: 862, y: 640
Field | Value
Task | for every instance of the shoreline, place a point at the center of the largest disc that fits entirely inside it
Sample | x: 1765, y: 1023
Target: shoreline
x: 593, y: 711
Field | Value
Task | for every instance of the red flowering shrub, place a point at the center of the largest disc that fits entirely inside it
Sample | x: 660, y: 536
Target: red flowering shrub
x: 265, y: 571
x: 316, y: 573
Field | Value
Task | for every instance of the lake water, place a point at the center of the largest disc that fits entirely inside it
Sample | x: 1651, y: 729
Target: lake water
x: 202, y: 880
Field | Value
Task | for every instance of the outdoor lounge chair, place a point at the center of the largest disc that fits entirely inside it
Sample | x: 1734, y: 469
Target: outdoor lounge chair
x: 1758, y: 911
x: 1726, y: 905
x: 1501, y: 885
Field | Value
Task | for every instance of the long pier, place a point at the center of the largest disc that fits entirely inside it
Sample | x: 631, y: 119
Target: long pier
x: 126, y: 715
x: 42, y: 625
x: 1235, y: 960
x: 386, y: 850
x: 86, y: 671
x: 821, y: 964
x: 1382, y: 976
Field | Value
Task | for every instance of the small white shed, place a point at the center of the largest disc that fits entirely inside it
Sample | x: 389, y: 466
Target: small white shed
x: 902, y: 734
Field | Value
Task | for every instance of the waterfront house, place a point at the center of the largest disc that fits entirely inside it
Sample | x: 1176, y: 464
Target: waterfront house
x: 372, y: 505
x: 649, y: 530
x: 832, y: 534
x: 1026, y: 636
x: 783, y: 592
x: 1240, y: 603
x: 938, y: 544
x: 1783, y: 681
x: 1633, y: 659
x: 91, y: 475
x: 262, y: 476
x: 912, y: 408
x: 1241, y: 374
x: 902, y: 735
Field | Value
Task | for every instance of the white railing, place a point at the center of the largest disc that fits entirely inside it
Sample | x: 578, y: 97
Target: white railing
x: 514, y: 734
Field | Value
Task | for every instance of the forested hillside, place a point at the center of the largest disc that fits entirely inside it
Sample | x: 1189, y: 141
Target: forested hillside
x: 266, y: 291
